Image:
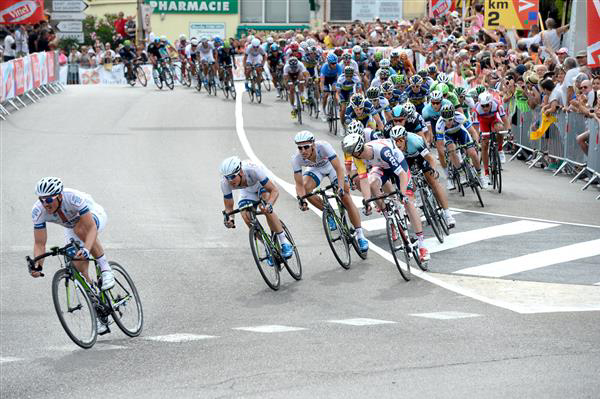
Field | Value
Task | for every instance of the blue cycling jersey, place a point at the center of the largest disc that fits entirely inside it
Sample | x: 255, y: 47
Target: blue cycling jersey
x: 328, y: 72
x: 415, y: 145
x: 430, y: 115
x: 418, y: 125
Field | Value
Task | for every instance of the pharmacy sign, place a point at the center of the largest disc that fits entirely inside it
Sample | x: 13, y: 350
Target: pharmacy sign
x: 194, y: 6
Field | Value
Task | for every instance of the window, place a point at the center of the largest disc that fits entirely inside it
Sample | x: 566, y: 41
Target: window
x: 275, y: 11
x: 341, y: 10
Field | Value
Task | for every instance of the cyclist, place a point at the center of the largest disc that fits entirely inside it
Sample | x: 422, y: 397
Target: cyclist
x: 387, y: 89
x: 380, y: 103
x: 226, y: 57
x: 400, y: 86
x: 275, y: 64
x: 492, y: 118
x: 191, y: 54
x: 156, y: 52
x: 208, y: 56
x: 406, y: 115
x: 294, y: 50
x: 128, y: 55
x: 373, y: 65
x: 83, y: 219
x: 417, y: 92
x: 387, y: 164
x: 361, y: 59
x: 329, y: 75
x: 418, y: 156
x: 363, y: 111
x: 257, y: 190
x: 347, y: 85
x: 347, y: 61
x: 321, y: 161
x: 294, y: 71
x: 454, y: 128
x: 431, y: 111
x: 311, y: 62
x: 382, y: 75
x: 254, y: 56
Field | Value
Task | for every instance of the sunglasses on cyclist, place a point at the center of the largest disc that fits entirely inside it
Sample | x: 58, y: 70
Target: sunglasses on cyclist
x: 231, y: 177
x: 486, y: 105
x: 436, y: 102
x: 47, y: 200
x: 399, y: 120
x: 304, y: 147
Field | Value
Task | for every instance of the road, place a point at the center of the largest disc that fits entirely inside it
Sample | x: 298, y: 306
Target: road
x: 489, y: 319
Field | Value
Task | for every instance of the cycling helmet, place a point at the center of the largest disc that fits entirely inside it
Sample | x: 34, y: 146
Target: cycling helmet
x: 204, y: 39
x: 182, y: 37
x: 442, y: 78
x: 353, y: 143
x: 338, y: 51
x: 410, y: 108
x: 432, y: 68
x: 304, y: 46
x: 270, y: 40
x: 365, y: 46
x: 231, y: 166
x: 127, y: 43
x: 398, y: 132
x: 218, y: 41
x: 293, y: 61
x: 378, y: 56
x: 404, y: 112
x: 304, y: 136
x: 447, y: 111
x: 332, y: 59
x: 443, y: 87
x: 255, y: 42
x: 384, y: 63
x: 354, y: 127
x: 357, y: 101
x: 396, y: 111
x: 436, y: 95
x: 163, y: 38
x: 422, y: 72
x: 194, y: 42
x: 312, y: 49
x: 48, y: 186
x: 384, y: 74
x: 156, y: 39
x: 356, y: 49
x: 485, y: 98
x: 227, y: 44
x: 395, y: 53
x: 460, y: 91
x: 387, y: 87
x: 294, y: 46
x: 346, y: 56
x: 416, y: 80
x: 274, y: 47
x: 398, y: 79
x: 480, y: 89
x: 311, y: 42
x: 373, y: 93
x: 349, y: 71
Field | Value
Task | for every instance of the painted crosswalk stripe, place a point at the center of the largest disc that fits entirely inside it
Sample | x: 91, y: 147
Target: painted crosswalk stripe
x: 468, y: 237
x: 379, y: 223
x: 9, y: 359
x: 361, y: 322
x: 446, y: 315
x: 536, y: 260
x: 179, y: 337
x: 597, y: 283
x: 97, y: 347
x: 270, y: 329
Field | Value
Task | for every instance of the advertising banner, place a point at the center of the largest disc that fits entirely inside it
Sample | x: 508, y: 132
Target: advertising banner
x: 369, y: 10
x: 21, y: 12
x: 28, y: 73
x: 43, y: 68
x: 1, y: 85
x: 194, y: 6
x: 593, y: 33
x: 511, y: 14
x: 50, y: 66
x: 19, y: 75
x: 35, y: 70
x: 439, y: 8
x: 8, y: 88
x: 198, y: 30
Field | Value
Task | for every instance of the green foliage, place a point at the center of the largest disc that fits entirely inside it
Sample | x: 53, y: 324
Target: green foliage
x: 67, y: 44
x: 103, y: 27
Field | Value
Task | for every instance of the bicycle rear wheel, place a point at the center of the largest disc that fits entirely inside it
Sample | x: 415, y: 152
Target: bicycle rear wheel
x: 258, y: 92
x: 141, y: 75
x: 335, y: 118
x: 298, y: 107
x: 157, y: 80
x: 396, y: 246
x: 337, y: 239
x: 125, y: 303
x: 439, y: 210
x: 74, y: 309
x: 495, y: 167
x: 414, y: 250
x: 261, y: 254
x: 473, y: 182
x: 266, y: 81
x: 330, y: 113
x: 293, y: 264
x: 169, y: 79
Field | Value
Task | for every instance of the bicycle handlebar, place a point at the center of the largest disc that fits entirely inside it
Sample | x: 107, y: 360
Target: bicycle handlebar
x: 384, y: 196
x: 54, y: 251
x: 318, y: 191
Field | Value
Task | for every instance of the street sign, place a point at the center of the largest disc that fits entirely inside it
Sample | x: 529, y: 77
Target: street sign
x: 511, y: 14
x: 68, y: 5
x: 68, y: 16
x: 71, y: 35
x: 70, y: 26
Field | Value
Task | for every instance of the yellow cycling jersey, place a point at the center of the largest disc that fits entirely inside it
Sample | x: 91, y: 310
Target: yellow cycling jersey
x: 361, y: 167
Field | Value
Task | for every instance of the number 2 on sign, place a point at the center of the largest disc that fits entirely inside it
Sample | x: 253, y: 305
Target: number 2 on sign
x: 493, y: 18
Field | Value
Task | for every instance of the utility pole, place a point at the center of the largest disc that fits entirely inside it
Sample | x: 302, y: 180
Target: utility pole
x: 139, y: 32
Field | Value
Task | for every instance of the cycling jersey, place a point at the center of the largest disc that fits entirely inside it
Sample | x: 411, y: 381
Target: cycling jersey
x: 127, y: 54
x: 488, y: 119
x: 348, y: 85
x: 416, y: 126
x: 155, y: 49
x: 274, y: 59
x: 310, y: 62
x: 331, y: 74
x: 430, y: 115
x: 190, y: 52
x: 365, y: 118
x: 256, y: 178
x: 457, y: 133
x: 415, y: 146
x: 382, y: 107
x: 181, y: 49
x: 319, y: 168
x: 387, y: 157
x: 293, y: 72
x: 353, y: 64
x: 74, y: 204
x: 418, y: 98
x: 226, y: 56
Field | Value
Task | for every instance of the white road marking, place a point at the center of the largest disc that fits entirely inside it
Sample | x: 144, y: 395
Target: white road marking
x: 269, y: 329
x: 446, y: 315
x: 597, y: 284
x: 9, y: 359
x: 361, y: 322
x: 179, y: 337
x: 379, y: 223
x: 535, y: 260
x: 471, y: 293
x: 472, y: 236
x: 73, y: 347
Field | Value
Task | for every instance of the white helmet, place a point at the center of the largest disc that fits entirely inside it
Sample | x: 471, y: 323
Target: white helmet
x: 304, y: 45
x: 270, y: 39
x: 384, y: 63
x: 356, y: 49
x: 436, y: 95
x: 194, y: 42
x: 230, y: 166
x: 485, y: 98
x: 182, y: 37
x: 49, y: 186
x: 250, y: 38
x: 255, y: 42
x: 355, y: 127
x: 311, y: 42
x: 204, y: 39
x: 353, y: 143
x: 304, y: 136
x: 398, y: 132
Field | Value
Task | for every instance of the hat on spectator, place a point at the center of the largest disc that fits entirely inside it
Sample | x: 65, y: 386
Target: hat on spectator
x: 91, y: 51
x: 454, y: 14
x: 520, y: 69
x: 532, y: 78
x: 581, y: 53
x: 562, y: 50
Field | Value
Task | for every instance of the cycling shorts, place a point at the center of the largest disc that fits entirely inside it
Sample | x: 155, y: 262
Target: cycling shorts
x: 461, y: 137
x: 251, y: 195
x: 318, y: 173
x: 256, y: 60
x: 420, y: 163
x: 208, y: 57
x: 100, y: 218
x: 487, y: 124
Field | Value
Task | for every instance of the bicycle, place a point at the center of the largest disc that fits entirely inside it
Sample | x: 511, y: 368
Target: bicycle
x: 432, y: 214
x: 281, y: 90
x: 255, y: 90
x: 467, y: 168
x: 182, y: 72
x: 162, y: 73
x: 259, y: 239
x: 199, y: 75
x: 312, y: 98
x: 331, y: 110
x: 86, y: 302
x: 346, y: 234
x: 396, y: 228
x: 299, y: 106
x: 266, y: 80
x: 136, y: 73
x: 494, y: 164
x: 227, y: 85
x: 211, y: 85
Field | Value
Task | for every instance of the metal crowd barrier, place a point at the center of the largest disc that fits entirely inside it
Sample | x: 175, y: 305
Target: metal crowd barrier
x: 559, y: 143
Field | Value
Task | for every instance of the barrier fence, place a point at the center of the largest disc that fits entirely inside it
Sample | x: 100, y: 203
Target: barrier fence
x: 559, y: 142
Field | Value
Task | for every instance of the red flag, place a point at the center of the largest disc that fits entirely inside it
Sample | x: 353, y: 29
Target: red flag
x: 21, y: 11
x: 593, y: 21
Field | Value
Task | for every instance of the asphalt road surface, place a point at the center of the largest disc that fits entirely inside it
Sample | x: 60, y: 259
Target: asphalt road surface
x: 509, y: 307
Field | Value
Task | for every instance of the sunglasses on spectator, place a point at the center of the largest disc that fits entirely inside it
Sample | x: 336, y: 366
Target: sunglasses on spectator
x: 47, y: 200
x: 304, y: 147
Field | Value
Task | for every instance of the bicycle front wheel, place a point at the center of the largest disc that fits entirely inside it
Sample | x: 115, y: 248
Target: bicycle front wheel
x: 266, y: 81
x: 298, y: 107
x: 473, y: 181
x: 263, y: 256
x: 336, y: 238
x: 394, y: 236
x: 293, y: 264
x: 169, y: 79
x: 125, y: 303
x: 141, y: 75
x: 74, y: 309
x: 431, y: 216
x: 157, y: 80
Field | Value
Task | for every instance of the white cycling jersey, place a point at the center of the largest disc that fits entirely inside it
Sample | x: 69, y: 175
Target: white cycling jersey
x: 299, y: 69
x: 202, y: 50
x: 460, y: 122
x: 325, y: 154
x: 256, y: 177
x: 387, y: 156
x: 74, y: 204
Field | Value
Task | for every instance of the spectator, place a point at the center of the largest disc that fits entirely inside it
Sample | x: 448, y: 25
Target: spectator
x: 33, y: 38
x: 130, y: 27
x: 120, y: 24
x: 43, y: 41
x: 108, y: 55
x: 571, y: 70
x: 21, y: 39
x: 9, y: 45
x: 551, y: 36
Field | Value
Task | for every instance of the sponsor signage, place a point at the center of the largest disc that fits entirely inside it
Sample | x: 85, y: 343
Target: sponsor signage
x: 21, y: 12
x: 194, y: 6
x: 70, y: 26
x: 71, y: 35
x: 511, y: 14
x: 198, y: 30
x: 369, y: 10
x: 439, y: 8
x: 593, y: 21
x: 68, y: 16
x: 68, y: 6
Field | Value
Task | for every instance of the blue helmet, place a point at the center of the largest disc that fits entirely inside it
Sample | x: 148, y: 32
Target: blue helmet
x: 332, y: 58
x: 274, y: 47
x: 397, y: 111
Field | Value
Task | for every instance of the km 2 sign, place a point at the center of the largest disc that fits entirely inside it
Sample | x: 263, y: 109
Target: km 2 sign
x: 511, y: 14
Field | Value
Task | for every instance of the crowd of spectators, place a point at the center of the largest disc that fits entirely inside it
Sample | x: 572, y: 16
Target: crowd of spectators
x: 20, y: 40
